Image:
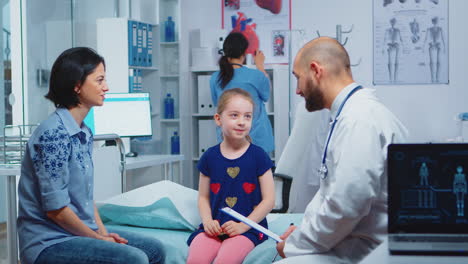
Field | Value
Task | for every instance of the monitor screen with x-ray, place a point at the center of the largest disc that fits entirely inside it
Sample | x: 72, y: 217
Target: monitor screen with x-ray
x: 428, y: 188
x: 124, y: 114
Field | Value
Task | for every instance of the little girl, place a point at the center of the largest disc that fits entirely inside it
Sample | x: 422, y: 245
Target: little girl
x: 234, y: 173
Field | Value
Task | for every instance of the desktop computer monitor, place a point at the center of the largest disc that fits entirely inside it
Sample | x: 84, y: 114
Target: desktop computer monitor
x: 124, y: 114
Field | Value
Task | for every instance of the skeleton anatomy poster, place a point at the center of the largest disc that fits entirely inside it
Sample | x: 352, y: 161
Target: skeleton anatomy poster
x: 265, y: 24
x: 411, y: 42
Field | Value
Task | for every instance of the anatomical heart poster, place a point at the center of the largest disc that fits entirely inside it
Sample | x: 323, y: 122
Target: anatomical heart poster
x: 265, y: 24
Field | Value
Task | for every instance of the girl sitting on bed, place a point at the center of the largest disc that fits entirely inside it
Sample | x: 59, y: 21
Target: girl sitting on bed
x: 234, y: 173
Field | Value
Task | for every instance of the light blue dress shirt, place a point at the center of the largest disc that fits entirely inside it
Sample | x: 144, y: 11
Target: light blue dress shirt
x: 258, y: 85
x: 56, y: 171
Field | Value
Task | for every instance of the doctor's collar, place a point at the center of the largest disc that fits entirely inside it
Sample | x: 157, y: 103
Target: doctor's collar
x: 339, y: 99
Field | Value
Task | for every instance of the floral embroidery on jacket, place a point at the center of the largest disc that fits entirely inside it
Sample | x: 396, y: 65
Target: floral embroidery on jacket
x: 55, y: 150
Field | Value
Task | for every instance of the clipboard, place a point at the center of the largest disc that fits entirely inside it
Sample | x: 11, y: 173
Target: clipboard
x: 251, y: 223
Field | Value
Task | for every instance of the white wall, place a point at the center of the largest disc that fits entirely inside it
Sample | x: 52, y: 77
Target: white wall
x: 427, y: 110
x: 47, y: 32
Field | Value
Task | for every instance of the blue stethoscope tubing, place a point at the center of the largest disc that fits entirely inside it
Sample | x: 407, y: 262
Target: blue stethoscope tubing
x: 323, y: 171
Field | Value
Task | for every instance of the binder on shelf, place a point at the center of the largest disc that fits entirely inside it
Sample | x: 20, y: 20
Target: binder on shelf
x: 131, y: 80
x: 139, y: 81
x: 144, y: 45
x: 205, y: 104
x: 139, y: 44
x: 206, y: 135
x: 132, y: 43
x: 150, y: 45
x: 135, y: 77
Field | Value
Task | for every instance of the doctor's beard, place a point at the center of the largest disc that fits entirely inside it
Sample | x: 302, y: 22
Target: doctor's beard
x: 314, y: 98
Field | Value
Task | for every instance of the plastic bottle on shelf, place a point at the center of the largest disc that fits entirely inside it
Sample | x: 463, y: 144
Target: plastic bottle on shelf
x: 168, y: 107
x: 175, y: 144
x: 169, y: 30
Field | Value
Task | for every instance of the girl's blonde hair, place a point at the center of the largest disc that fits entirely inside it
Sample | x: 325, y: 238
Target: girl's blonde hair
x: 227, y: 95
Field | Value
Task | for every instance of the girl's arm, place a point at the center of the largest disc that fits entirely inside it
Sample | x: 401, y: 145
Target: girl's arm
x: 211, y: 226
x: 267, y: 187
x: 260, y: 212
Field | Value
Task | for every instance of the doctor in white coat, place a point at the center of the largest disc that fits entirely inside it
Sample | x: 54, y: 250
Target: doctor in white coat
x: 347, y: 218
x: 302, y: 155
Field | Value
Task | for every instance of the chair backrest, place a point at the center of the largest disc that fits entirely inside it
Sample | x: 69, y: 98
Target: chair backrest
x: 282, y: 189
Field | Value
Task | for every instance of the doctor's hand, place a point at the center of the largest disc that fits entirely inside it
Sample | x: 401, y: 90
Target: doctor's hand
x: 280, y: 245
x: 232, y: 228
x: 212, y: 227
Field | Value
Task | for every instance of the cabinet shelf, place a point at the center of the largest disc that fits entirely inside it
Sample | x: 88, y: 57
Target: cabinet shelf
x: 113, y: 44
x: 169, y: 43
x: 203, y: 115
x: 144, y: 68
x: 174, y: 120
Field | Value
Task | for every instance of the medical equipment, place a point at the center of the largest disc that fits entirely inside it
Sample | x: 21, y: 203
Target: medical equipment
x: 13, y: 143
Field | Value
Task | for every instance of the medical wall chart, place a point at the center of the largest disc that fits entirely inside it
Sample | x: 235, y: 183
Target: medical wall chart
x: 265, y: 23
x: 410, y: 41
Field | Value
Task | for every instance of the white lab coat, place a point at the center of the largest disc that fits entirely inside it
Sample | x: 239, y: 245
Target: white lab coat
x: 302, y: 155
x: 348, y: 216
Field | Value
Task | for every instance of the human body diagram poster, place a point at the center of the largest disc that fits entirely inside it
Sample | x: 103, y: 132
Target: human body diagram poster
x: 265, y: 24
x: 411, y: 42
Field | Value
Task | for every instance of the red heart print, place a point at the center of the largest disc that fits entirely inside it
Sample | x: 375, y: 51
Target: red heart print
x: 248, y: 187
x: 215, y: 187
x: 260, y: 236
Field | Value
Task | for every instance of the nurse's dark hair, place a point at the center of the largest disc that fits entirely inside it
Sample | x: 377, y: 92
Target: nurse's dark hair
x: 70, y: 69
x: 234, y: 46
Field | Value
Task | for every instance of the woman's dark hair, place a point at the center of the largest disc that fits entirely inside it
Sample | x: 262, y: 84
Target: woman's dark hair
x: 234, y: 46
x: 69, y: 70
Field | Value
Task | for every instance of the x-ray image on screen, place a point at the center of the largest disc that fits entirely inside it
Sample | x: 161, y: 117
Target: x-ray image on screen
x: 429, y: 186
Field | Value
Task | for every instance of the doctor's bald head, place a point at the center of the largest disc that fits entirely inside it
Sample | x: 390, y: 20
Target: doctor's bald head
x: 322, y: 68
x: 326, y: 51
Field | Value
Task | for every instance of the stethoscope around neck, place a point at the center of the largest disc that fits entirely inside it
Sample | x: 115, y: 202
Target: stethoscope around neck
x: 323, y: 170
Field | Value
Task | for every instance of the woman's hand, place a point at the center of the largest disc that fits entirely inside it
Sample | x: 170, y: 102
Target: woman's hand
x: 113, y: 237
x: 259, y: 59
x: 212, y: 227
x: 232, y: 228
x: 118, y: 238
x: 107, y: 238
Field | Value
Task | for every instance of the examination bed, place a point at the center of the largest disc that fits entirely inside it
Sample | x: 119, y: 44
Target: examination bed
x: 169, y: 212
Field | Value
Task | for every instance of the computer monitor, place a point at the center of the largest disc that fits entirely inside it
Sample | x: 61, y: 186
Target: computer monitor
x: 124, y: 114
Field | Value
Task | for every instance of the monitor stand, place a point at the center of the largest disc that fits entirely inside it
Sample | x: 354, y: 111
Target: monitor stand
x: 131, y: 154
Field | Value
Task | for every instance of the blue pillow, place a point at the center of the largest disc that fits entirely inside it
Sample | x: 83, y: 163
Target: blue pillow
x: 161, y: 214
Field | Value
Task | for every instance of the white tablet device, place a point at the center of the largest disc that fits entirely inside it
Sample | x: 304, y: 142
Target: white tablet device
x: 251, y: 223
